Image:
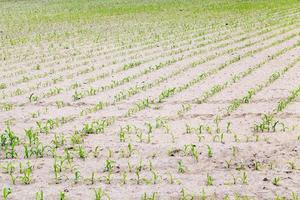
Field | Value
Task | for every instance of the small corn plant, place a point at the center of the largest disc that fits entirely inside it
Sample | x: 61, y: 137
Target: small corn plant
x: 100, y: 194
x: 6, y: 192
x: 39, y: 195
x: 209, y: 180
x: 26, y: 178
x: 152, y: 196
x: 276, y: 181
x: 62, y: 196
x: 181, y: 168
x: 209, y: 151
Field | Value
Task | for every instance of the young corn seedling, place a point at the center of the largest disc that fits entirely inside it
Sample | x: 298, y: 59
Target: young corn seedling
x: 257, y: 165
x: 56, y: 169
x: 62, y: 196
x: 240, y: 166
x: 234, y: 150
x: 277, y: 197
x: 39, y: 195
x: 108, y: 177
x: 99, y: 194
x: 32, y: 136
x: 26, y: 177
x: 140, y: 105
x: 228, y: 127
x: 149, y: 138
x: 276, y: 181
x: 267, y: 124
x: 13, y: 179
x: 209, y: 130
x: 2, y: 86
x: 110, y: 153
x: 77, y: 96
x: 154, y: 176
x: 184, y: 108
x: 188, y: 129
x: 129, y: 166
x: 8, y: 141
x: 209, y: 151
x: 6, y: 106
x: 59, y: 104
x: 81, y: 152
x: 38, y: 150
x: 129, y: 150
x: 58, y: 140
x: 160, y: 122
x: 122, y: 134
x: 77, y: 138
x: 124, y: 178
x: 170, y: 178
x: 292, y: 165
x: 236, y: 139
x: 185, y: 196
x: 9, y: 168
x: 139, y: 136
x: 200, y: 129
x: 271, y: 165
x: 203, y: 194
x: 217, y: 124
x: 234, y: 181
x: 6, y: 192
x: 180, y: 168
x: 138, y: 174
x: 92, y: 179
x: 32, y: 98
x: 77, y: 176
x: 200, y: 136
x: 131, y: 65
x: 109, y: 165
x: 153, y: 196
x: 92, y: 92
x: 283, y: 103
x: 195, y: 153
x: 75, y: 85
x: 228, y: 163
x: 149, y: 127
x: 294, y: 196
x: 165, y: 94
x: 209, y: 180
x: 96, y: 152
x: 244, y: 178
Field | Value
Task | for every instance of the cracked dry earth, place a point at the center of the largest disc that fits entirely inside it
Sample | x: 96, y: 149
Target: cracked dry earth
x: 181, y: 117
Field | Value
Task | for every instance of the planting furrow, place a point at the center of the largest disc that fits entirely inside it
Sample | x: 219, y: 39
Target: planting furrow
x: 277, y: 13
x: 216, y: 84
x: 243, y: 38
x: 226, y: 111
x: 82, y: 48
x: 192, y: 65
x: 29, y: 78
x: 149, y: 101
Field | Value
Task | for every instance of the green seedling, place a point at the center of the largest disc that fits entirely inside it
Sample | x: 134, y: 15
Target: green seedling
x: 153, y: 196
x: 62, y: 196
x: 180, y: 168
x: 276, y: 181
x: 209, y: 180
x: 77, y: 176
x: 39, y: 195
x: 209, y: 151
x: 6, y: 192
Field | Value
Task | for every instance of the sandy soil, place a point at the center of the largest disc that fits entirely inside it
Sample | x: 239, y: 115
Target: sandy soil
x: 242, y: 162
